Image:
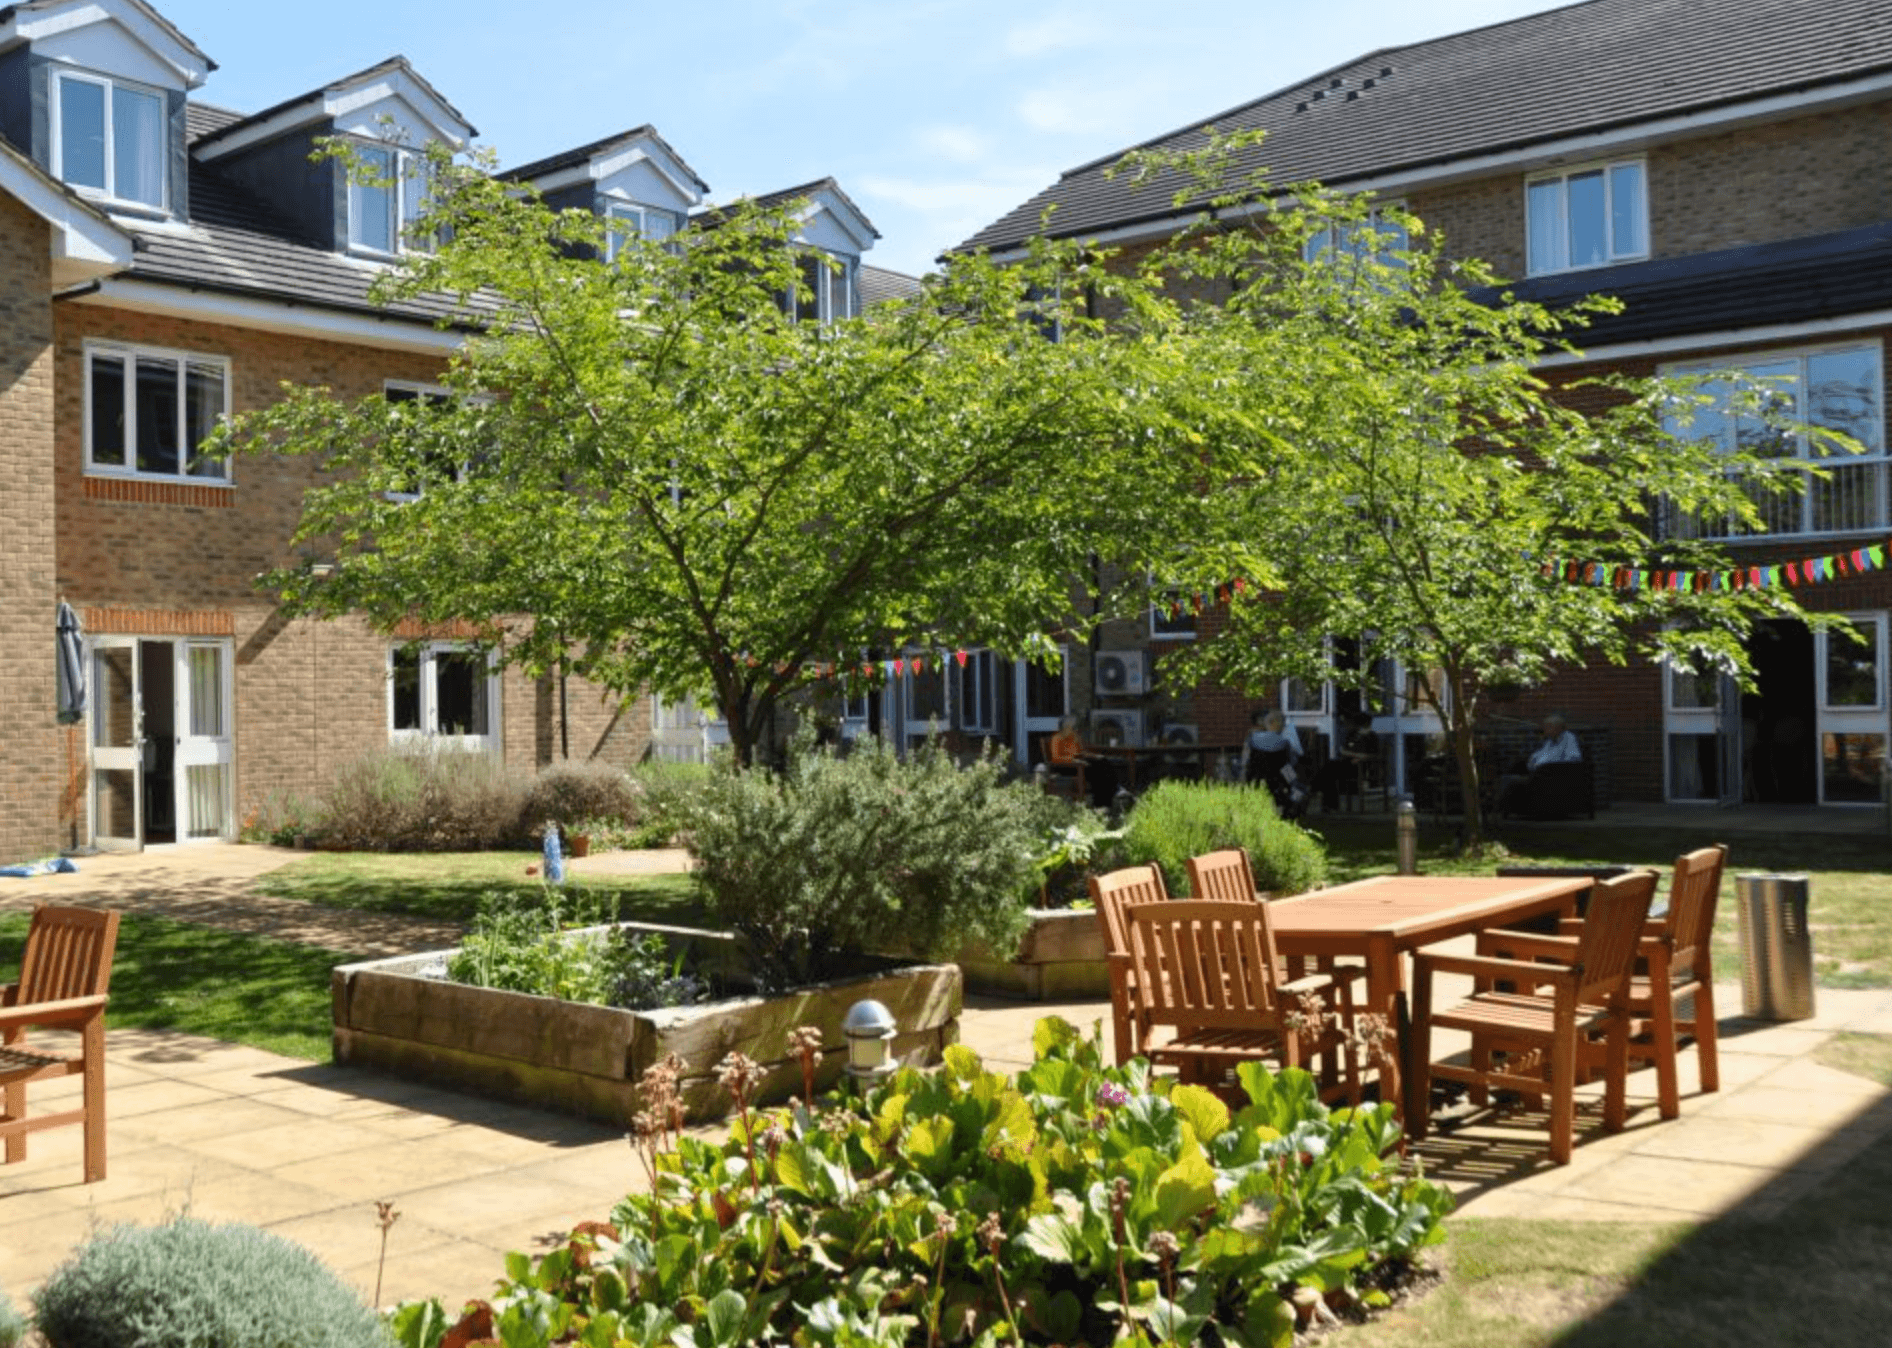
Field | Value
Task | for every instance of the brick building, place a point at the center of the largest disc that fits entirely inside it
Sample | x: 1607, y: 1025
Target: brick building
x: 1720, y: 165
x: 164, y: 262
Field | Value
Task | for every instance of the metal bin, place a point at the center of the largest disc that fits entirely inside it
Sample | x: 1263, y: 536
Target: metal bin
x: 1776, y: 947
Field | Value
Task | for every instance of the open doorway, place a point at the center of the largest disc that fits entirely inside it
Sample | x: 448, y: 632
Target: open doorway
x: 157, y: 670
x: 1780, y: 758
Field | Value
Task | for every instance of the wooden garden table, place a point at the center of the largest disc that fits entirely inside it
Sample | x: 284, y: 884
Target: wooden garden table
x: 1383, y: 918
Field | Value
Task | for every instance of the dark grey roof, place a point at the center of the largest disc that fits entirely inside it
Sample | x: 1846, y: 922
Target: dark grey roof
x: 1582, y: 68
x: 315, y: 95
x: 583, y: 154
x: 1793, y: 281
x: 879, y: 284
x: 201, y: 119
x: 781, y: 197
x: 237, y: 245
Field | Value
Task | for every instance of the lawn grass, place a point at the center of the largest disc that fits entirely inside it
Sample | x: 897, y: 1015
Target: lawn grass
x: 1850, y: 914
x: 451, y: 885
x: 178, y: 976
x: 1818, y: 1274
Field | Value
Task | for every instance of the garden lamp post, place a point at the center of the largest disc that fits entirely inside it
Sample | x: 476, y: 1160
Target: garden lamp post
x: 870, y: 1029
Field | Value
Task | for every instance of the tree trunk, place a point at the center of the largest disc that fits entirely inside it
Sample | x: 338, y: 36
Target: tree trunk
x: 1463, y: 748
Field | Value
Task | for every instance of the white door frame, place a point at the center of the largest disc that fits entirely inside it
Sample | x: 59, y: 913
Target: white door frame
x: 127, y: 756
x: 212, y: 747
x: 1848, y: 720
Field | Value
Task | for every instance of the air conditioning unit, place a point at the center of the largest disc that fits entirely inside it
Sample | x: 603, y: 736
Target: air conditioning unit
x: 1117, y: 728
x: 1122, y: 673
x: 1180, y: 733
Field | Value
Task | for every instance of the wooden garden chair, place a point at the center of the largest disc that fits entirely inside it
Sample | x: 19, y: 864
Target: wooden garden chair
x: 1229, y: 877
x: 1208, y: 970
x: 1110, y: 895
x: 64, y: 975
x: 1541, y: 1033
x: 1673, y: 965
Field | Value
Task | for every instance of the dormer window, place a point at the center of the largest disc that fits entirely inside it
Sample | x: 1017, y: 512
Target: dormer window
x: 386, y: 196
x: 824, y: 290
x: 628, y: 220
x: 110, y: 138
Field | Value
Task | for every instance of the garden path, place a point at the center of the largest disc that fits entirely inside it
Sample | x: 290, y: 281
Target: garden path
x: 214, y: 885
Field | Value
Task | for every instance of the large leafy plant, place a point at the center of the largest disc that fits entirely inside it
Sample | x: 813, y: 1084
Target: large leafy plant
x: 1070, y: 1203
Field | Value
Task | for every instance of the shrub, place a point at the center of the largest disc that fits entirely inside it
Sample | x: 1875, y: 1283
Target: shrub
x: 523, y: 945
x: 12, y: 1323
x: 1069, y: 1203
x: 587, y: 791
x: 281, y: 818
x: 423, y: 798
x: 187, y: 1283
x: 841, y: 855
x: 1177, y: 820
x: 665, y: 793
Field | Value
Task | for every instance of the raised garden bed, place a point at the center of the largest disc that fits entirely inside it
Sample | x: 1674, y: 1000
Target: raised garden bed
x: 1061, y: 958
x: 402, y: 1015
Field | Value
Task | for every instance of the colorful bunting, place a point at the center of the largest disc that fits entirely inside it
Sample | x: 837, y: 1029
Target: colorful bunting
x: 1806, y: 571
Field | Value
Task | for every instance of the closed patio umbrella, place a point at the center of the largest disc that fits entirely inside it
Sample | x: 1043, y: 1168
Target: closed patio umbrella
x: 71, y: 666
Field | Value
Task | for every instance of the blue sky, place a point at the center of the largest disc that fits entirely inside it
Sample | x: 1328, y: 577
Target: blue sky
x: 936, y: 116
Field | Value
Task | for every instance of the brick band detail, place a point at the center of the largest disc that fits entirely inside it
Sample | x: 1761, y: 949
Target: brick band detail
x: 135, y: 622
x: 157, y: 493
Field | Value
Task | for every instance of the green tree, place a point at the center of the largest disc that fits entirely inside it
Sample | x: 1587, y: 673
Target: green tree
x: 685, y: 490
x: 1409, y: 470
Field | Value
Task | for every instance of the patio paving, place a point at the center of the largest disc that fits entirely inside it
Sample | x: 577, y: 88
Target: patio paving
x: 305, y: 1149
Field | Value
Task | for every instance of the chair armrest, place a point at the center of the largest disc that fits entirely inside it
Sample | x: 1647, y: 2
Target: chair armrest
x: 1527, y: 945
x: 1308, y: 983
x: 1477, y: 965
x: 67, y: 1011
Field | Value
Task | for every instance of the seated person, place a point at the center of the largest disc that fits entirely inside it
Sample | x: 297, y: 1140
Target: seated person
x: 1272, y: 758
x: 1066, y: 747
x: 1343, y: 772
x: 1557, y: 746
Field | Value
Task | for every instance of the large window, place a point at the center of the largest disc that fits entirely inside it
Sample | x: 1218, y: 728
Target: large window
x: 978, y: 693
x: 1587, y: 217
x: 628, y: 220
x: 148, y: 412
x: 444, y: 692
x: 386, y: 196
x: 1834, y: 388
x: 109, y: 138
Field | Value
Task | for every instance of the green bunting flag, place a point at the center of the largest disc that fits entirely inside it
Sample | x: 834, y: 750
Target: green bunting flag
x: 1807, y: 571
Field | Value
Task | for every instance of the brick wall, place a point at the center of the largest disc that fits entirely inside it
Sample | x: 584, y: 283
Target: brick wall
x: 34, y: 750
x: 1758, y: 184
x: 180, y: 559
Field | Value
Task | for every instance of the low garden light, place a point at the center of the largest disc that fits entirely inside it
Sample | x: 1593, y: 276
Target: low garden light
x: 870, y: 1028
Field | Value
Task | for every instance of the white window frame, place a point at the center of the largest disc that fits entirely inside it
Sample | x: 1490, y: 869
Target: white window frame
x: 1320, y: 241
x: 1850, y: 718
x: 428, y: 732
x: 828, y: 283
x: 406, y: 191
x: 980, y: 676
x: 128, y: 356
x: 111, y: 84
x: 1159, y: 616
x: 636, y: 215
x: 1613, y: 255
x: 1806, y: 500
x: 424, y: 394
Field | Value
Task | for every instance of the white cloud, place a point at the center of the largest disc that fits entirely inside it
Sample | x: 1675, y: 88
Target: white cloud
x: 1055, y: 32
x: 1071, y: 110
x: 960, y: 144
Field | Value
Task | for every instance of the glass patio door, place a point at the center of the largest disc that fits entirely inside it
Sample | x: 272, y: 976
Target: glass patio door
x: 204, y: 744
x: 117, y: 795
x: 1851, y: 682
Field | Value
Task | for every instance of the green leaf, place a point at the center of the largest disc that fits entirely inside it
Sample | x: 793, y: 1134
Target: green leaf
x: 1201, y: 1110
x: 1185, y: 1190
x: 1052, y: 1034
x: 723, y: 1317
x: 962, y: 1064
x: 418, y: 1324
x: 1054, y: 1237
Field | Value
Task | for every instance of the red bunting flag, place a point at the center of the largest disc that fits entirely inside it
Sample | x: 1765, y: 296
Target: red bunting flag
x: 960, y: 656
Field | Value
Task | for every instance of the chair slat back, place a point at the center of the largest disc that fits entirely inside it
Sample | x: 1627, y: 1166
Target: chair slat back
x: 1205, y: 963
x: 68, y: 954
x: 1224, y: 875
x: 1692, y: 896
x: 1112, y: 893
x: 1612, y: 928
